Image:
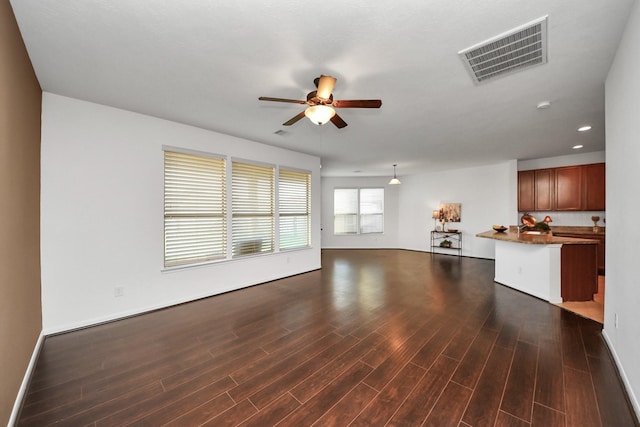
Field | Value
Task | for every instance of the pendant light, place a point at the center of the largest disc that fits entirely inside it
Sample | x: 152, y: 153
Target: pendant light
x: 394, y: 180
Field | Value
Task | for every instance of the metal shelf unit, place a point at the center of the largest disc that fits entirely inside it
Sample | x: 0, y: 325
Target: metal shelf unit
x: 455, y: 237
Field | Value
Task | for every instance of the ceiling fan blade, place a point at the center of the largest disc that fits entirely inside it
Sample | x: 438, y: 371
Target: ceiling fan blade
x: 294, y: 101
x: 325, y: 86
x: 337, y: 120
x: 358, y: 103
x: 293, y: 119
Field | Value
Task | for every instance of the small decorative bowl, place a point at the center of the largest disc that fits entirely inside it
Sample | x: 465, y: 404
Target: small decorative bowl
x: 500, y: 229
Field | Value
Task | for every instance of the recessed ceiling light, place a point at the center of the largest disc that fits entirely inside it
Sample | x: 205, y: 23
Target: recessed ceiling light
x: 584, y: 128
x: 577, y: 147
x: 543, y: 105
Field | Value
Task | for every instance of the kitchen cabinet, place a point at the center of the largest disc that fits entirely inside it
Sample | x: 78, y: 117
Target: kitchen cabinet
x: 594, y: 194
x: 578, y: 272
x: 570, y: 188
x: 601, y: 251
x: 600, y: 237
x: 526, y: 191
x: 544, y: 189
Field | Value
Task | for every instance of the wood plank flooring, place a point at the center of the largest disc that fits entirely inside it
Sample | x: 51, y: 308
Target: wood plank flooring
x: 374, y: 338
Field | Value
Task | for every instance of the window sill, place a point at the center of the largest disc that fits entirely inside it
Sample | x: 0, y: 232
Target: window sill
x: 206, y: 264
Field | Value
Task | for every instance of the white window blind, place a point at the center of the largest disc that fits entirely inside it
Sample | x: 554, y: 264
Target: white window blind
x: 294, y: 207
x: 252, y: 207
x: 358, y: 211
x: 345, y: 207
x: 371, y: 210
x: 194, y: 208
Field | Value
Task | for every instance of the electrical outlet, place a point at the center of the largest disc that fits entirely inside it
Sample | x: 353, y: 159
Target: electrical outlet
x: 118, y: 291
x: 615, y: 320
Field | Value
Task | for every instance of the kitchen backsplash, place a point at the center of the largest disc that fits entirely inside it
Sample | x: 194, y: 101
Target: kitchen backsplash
x: 569, y: 218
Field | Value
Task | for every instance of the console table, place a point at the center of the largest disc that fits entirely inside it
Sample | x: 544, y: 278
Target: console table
x: 455, y: 237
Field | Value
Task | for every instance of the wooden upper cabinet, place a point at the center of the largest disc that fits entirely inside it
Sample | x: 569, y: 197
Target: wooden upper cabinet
x: 526, y: 191
x: 594, y: 191
x: 544, y: 180
x: 569, y: 188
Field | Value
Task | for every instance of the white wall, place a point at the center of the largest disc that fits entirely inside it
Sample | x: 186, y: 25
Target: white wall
x: 567, y: 218
x: 102, y: 215
x: 488, y: 195
x: 389, y: 239
x: 560, y: 161
x: 622, y: 106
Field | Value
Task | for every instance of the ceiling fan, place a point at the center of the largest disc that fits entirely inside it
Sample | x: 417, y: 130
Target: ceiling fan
x: 321, y: 105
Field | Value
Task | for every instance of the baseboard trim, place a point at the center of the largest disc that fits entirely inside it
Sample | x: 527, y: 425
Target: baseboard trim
x: 425, y: 251
x: 90, y: 323
x: 17, y: 404
x: 623, y: 376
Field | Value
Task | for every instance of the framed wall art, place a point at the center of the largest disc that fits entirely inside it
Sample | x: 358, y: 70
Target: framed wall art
x: 451, y: 212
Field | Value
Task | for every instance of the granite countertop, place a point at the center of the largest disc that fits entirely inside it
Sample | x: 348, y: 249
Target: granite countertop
x: 578, y: 230
x: 535, y: 239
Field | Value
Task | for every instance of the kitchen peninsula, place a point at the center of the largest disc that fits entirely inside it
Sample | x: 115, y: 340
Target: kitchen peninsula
x: 549, y: 267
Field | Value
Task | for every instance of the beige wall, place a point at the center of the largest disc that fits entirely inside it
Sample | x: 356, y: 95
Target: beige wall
x: 20, y: 308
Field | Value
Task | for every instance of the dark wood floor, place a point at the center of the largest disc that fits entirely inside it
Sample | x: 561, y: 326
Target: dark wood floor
x: 375, y: 338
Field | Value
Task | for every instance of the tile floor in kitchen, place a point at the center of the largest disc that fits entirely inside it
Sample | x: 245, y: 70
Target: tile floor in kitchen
x: 593, y: 310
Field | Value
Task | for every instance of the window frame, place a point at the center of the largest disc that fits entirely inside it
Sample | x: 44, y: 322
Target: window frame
x: 358, y: 212
x: 294, y: 211
x: 248, y: 245
x: 193, y: 212
x: 226, y: 185
x: 361, y: 215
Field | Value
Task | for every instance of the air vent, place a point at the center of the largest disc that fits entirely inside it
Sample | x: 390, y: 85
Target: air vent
x: 514, y: 50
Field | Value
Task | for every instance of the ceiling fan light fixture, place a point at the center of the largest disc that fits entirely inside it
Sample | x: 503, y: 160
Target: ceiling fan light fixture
x: 394, y: 180
x: 325, y: 86
x: 319, y: 114
x: 320, y: 104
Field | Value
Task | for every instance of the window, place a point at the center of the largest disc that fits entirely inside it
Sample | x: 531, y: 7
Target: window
x: 294, y: 207
x: 252, y: 207
x: 198, y: 225
x: 345, y: 211
x: 358, y: 211
x: 371, y: 210
x: 195, y: 227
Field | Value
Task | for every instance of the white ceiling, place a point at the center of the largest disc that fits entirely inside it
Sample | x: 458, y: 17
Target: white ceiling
x: 205, y: 63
